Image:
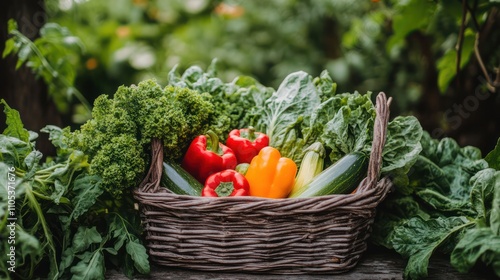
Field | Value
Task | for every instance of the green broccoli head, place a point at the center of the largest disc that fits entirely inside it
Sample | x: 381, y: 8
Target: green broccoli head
x: 118, y: 137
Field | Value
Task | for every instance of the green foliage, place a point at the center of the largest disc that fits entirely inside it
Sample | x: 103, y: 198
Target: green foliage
x: 452, y: 198
x: 52, y: 57
x: 119, y: 134
x: 236, y: 103
x: 66, y: 224
x: 417, y: 240
x: 493, y: 158
x: 447, y: 64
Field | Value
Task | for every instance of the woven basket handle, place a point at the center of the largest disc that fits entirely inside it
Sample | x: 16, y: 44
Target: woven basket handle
x: 379, y: 137
x: 151, y: 182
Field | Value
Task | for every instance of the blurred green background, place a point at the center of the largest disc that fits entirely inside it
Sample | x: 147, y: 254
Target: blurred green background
x: 409, y: 49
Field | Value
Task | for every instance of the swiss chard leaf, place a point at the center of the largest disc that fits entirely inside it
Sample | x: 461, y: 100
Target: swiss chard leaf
x: 401, y: 148
x: 495, y: 208
x: 418, y: 239
x: 287, y: 107
x: 30, y: 246
x: 477, y: 244
x: 484, y: 185
x: 349, y: 123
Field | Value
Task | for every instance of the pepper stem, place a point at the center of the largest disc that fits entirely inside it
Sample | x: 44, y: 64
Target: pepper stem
x: 214, y: 141
x: 250, y: 134
x: 224, y: 189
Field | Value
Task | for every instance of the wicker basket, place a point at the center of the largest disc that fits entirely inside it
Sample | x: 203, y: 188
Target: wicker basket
x: 324, y: 235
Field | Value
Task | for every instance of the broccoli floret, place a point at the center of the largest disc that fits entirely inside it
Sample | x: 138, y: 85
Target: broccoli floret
x: 117, y: 138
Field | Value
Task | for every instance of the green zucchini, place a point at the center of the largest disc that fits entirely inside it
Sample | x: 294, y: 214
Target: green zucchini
x: 179, y: 181
x: 340, y: 178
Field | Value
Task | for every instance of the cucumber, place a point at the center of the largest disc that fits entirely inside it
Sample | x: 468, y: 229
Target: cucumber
x: 340, y: 178
x: 179, y: 181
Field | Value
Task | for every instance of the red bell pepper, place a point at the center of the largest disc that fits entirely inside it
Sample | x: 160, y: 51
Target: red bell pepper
x: 203, y: 159
x: 226, y: 183
x: 246, y: 143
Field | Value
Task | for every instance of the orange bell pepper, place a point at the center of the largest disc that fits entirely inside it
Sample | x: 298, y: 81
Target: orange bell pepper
x: 271, y: 175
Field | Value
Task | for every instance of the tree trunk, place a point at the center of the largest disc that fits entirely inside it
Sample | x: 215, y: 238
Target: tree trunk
x: 20, y: 88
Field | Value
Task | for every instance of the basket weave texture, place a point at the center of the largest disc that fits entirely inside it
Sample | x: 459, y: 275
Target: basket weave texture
x: 319, y: 235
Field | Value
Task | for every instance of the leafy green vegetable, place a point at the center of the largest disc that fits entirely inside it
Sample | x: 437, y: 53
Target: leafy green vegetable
x: 418, y: 239
x: 118, y: 136
x: 452, y: 198
x: 493, y: 158
x: 478, y: 244
x: 59, y: 204
x: 237, y: 103
x: 287, y: 110
x: 348, y: 124
x: 304, y: 110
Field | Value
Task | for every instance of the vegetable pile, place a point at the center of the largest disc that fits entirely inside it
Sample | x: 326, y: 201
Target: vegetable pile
x: 75, y: 211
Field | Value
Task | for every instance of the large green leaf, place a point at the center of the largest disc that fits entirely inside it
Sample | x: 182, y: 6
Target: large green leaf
x: 418, y: 239
x: 287, y: 108
x: 478, y: 244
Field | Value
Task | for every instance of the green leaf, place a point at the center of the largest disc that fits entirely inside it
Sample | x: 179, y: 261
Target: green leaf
x: 23, y: 55
x: 418, y: 239
x: 87, y: 189
x: 15, y: 127
x: 447, y: 64
x: 493, y: 157
x: 32, y: 160
x: 138, y: 254
x: 84, y: 237
x: 9, y: 47
x: 410, y: 16
x: 285, y: 112
x: 11, y: 25
x: 91, y: 266
x: 444, y: 203
x: 67, y: 259
x: 477, y: 244
x: 13, y: 151
x: 483, y: 190
x: 344, y: 123
x: 402, y: 147
x: 56, y: 135
x: 118, y: 230
x: 495, y: 208
x: 29, y: 244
